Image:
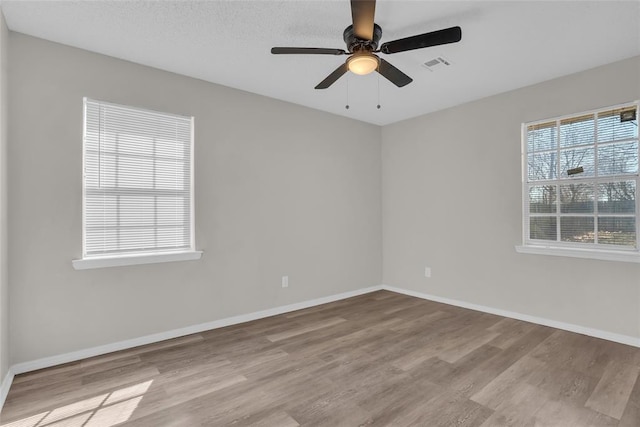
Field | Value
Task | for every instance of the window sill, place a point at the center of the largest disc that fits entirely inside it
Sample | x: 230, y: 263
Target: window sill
x: 88, y: 263
x: 622, y: 256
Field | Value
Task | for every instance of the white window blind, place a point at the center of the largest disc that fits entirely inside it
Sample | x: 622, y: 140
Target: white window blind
x: 581, y: 180
x: 138, y: 181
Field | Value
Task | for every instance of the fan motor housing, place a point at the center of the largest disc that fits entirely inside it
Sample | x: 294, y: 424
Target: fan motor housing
x: 354, y: 44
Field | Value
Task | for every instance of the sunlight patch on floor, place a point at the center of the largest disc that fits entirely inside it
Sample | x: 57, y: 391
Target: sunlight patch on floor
x: 105, y: 410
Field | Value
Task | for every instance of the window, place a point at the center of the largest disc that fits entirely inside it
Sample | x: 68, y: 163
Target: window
x: 137, y: 186
x: 580, y: 184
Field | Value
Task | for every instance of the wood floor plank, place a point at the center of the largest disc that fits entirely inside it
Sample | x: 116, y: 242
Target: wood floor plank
x: 631, y: 415
x: 94, y: 368
x: 487, y: 369
x: 304, y: 329
x: 518, y: 408
x: 505, y: 384
x: 380, y: 359
x: 464, y: 375
x: 457, y: 352
x: 448, y: 408
x: 612, y: 393
x: 278, y: 418
x: 510, y: 330
x: 49, y: 375
x: 558, y: 414
x: 401, y: 395
x: 566, y: 384
x: 578, y: 352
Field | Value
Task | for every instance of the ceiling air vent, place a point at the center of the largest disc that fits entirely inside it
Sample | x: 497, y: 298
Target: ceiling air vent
x: 436, y: 63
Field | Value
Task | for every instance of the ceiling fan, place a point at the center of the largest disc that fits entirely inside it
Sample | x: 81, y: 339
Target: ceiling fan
x: 362, y: 45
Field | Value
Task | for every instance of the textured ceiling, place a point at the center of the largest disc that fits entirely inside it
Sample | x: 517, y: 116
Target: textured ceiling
x: 505, y: 45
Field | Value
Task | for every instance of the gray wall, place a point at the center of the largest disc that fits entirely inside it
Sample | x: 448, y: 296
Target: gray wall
x: 4, y: 276
x: 452, y: 201
x: 280, y: 190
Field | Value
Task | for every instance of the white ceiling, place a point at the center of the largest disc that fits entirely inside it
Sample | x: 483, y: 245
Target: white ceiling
x: 505, y: 45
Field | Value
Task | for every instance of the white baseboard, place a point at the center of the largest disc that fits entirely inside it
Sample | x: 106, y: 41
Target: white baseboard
x: 597, y: 333
x: 48, y: 362
x: 4, y: 388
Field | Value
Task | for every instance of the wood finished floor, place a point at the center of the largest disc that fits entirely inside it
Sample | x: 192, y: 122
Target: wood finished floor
x: 380, y: 359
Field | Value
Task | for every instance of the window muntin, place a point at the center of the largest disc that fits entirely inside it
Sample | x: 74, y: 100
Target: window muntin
x: 580, y: 180
x: 138, y: 181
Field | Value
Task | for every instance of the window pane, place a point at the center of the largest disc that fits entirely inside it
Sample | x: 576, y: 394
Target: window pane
x: 617, y: 197
x: 137, y: 186
x: 543, y: 228
x: 168, y: 149
x: 136, y: 211
x: 542, y: 166
x: 172, y: 211
x: 619, y: 158
x: 541, y: 137
x: 617, y: 231
x: 582, y: 174
x: 576, y: 198
x: 101, y: 211
x: 171, y: 175
x: 610, y: 128
x: 577, y: 131
x: 577, y: 157
x: 542, y: 199
x: 134, y: 172
x: 577, y: 229
x: 137, y: 145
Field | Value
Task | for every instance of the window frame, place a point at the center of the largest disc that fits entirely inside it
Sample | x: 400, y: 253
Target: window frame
x: 134, y: 258
x: 608, y: 252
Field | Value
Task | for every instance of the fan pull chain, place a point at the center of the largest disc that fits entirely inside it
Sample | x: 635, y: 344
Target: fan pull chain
x: 347, y: 106
x: 378, y: 106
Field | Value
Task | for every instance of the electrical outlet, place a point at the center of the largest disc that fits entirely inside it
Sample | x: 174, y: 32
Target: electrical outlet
x: 285, y: 281
x: 427, y: 272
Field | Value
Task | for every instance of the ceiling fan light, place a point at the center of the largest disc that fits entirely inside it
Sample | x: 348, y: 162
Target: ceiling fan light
x: 363, y: 63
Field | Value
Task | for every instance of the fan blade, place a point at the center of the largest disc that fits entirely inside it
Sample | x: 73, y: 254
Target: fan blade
x: 306, y: 50
x: 434, y: 38
x: 362, y: 13
x: 331, y: 78
x: 392, y: 74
